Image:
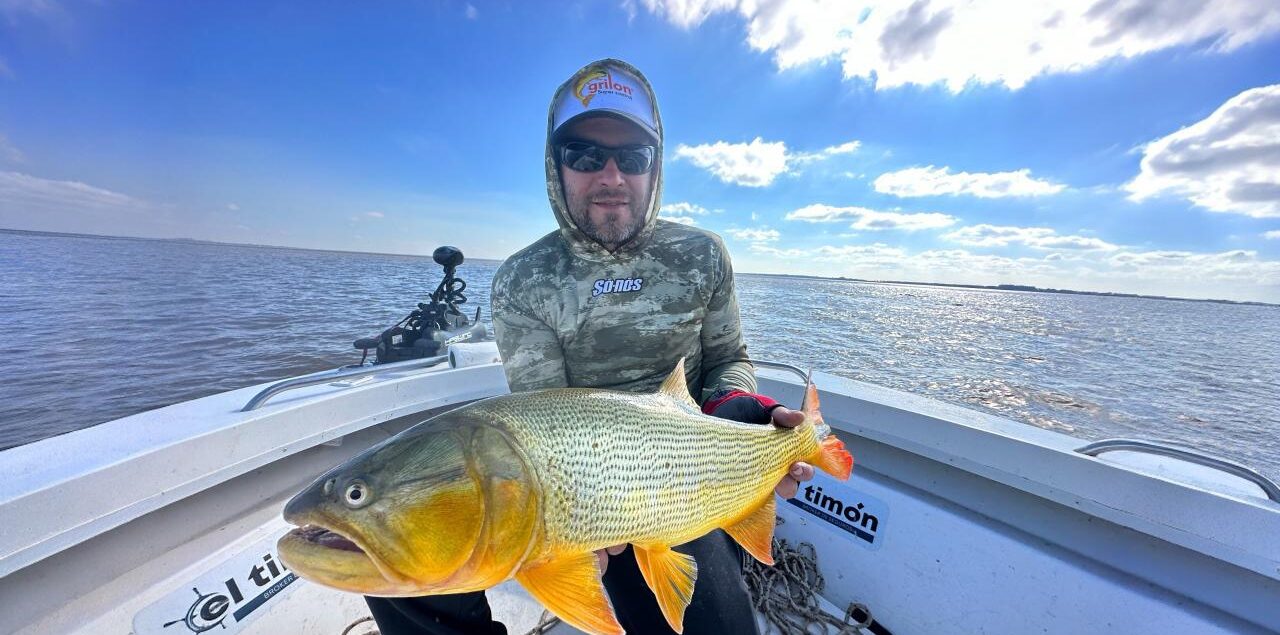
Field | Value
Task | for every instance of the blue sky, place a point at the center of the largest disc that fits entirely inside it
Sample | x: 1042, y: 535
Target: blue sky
x: 1123, y: 145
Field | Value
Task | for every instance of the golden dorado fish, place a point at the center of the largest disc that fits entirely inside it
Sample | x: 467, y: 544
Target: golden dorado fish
x: 530, y: 485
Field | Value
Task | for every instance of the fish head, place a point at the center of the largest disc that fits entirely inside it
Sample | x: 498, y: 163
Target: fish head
x: 447, y: 506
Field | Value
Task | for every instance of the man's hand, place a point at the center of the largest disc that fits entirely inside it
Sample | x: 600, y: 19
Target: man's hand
x: 752, y: 408
x: 800, y: 471
x: 602, y: 555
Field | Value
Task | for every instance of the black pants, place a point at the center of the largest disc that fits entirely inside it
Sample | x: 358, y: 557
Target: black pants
x: 720, y: 605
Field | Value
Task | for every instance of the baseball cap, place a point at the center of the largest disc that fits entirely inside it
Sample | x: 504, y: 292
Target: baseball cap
x: 605, y: 89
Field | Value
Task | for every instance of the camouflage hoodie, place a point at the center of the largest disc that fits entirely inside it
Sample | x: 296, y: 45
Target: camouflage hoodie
x: 566, y: 312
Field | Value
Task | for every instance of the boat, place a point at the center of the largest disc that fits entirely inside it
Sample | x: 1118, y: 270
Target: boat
x: 954, y: 521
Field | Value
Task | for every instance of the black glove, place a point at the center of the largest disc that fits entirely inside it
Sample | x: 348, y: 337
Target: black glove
x: 738, y: 405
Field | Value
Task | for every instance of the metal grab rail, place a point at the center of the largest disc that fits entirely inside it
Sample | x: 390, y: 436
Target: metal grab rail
x: 302, y: 382
x: 1235, y: 469
x: 805, y: 376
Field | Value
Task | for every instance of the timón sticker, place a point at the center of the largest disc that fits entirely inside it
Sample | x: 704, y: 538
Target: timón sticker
x: 844, y: 509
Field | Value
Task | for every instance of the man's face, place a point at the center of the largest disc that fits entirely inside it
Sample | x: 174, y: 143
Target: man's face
x: 608, y: 206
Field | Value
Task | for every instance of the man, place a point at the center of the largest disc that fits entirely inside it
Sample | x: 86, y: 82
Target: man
x: 613, y: 299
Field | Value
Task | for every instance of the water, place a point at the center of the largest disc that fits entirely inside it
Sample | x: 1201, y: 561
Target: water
x: 100, y: 328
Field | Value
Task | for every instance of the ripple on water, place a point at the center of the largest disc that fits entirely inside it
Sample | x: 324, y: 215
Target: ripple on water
x: 170, y: 321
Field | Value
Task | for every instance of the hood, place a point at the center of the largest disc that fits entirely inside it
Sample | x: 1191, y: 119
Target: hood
x: 578, y: 242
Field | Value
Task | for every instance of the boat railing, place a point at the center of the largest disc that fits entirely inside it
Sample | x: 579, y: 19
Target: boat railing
x: 339, y: 375
x: 1199, y: 458
x: 805, y: 376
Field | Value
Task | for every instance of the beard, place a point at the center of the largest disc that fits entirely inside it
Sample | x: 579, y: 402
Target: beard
x: 616, y: 227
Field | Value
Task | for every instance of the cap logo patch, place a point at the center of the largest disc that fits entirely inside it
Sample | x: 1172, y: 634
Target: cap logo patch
x: 598, y: 82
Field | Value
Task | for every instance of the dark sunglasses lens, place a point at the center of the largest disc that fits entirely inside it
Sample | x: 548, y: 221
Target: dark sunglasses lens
x: 635, y: 160
x: 582, y: 157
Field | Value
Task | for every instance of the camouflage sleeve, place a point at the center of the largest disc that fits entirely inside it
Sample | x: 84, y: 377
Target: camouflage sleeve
x: 724, y: 357
x: 531, y: 353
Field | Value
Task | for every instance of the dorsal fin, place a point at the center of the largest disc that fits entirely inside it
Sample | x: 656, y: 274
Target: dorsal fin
x: 675, y: 386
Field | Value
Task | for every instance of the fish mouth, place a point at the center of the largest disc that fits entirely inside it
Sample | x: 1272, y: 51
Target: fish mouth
x: 326, y: 539
x: 322, y: 554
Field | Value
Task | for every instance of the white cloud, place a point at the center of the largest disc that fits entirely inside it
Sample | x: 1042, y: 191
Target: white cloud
x: 877, y: 255
x: 869, y: 219
x: 958, y: 42
x: 23, y: 193
x: 825, y: 153
x: 684, y: 208
x: 1272, y: 235
x: 1234, y: 274
x: 9, y: 153
x: 472, y: 12
x: 5, y: 71
x: 1038, y: 237
x: 235, y: 207
x: 375, y: 214
x: 756, y: 235
x: 755, y: 164
x: 931, y: 181
x: 1227, y: 162
x: 1237, y: 264
x: 683, y: 220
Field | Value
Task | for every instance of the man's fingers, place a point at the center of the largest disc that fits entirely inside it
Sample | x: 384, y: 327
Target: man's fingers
x: 801, y: 471
x: 602, y: 559
x: 787, y: 488
x: 787, y: 417
x: 602, y: 555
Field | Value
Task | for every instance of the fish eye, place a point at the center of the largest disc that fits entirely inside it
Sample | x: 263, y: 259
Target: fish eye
x: 357, y: 495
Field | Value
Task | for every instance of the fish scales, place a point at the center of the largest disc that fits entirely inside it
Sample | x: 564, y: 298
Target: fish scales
x: 619, y: 467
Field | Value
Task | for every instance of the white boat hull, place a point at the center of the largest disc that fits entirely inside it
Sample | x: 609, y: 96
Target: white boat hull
x: 981, y: 525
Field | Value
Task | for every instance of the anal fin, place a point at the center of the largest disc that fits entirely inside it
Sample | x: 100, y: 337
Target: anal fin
x: 671, y: 576
x: 755, y: 531
x: 570, y: 587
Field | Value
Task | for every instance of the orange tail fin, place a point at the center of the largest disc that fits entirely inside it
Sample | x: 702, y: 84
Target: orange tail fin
x: 832, y: 458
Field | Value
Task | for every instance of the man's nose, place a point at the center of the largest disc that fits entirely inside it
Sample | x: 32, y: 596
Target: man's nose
x: 610, y: 174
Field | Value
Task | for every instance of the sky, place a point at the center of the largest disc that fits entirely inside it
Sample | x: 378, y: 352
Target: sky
x: 1118, y: 145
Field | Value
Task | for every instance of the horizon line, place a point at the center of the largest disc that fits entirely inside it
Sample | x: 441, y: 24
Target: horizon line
x: 1008, y: 287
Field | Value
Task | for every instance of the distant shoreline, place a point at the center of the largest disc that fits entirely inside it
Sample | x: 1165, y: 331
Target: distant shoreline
x: 1014, y: 287
x: 999, y: 287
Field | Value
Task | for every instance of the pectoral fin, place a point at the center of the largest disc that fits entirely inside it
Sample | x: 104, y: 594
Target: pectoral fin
x: 571, y: 588
x: 671, y: 576
x: 755, y: 531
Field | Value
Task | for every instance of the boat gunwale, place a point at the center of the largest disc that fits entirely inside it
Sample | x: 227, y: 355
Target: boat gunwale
x: 1047, y: 464
x: 57, y: 484
x: 73, y: 487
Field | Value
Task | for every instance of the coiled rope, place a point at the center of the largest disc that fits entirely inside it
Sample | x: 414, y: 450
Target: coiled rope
x: 786, y: 594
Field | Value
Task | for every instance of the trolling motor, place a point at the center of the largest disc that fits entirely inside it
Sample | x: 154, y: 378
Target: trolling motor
x: 434, y: 325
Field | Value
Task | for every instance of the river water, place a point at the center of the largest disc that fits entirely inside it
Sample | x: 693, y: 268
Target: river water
x: 99, y: 328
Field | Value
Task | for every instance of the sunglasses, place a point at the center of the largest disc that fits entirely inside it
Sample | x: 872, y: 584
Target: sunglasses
x: 587, y: 157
